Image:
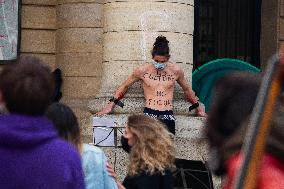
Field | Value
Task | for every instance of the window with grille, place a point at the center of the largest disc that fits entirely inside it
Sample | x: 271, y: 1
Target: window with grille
x: 227, y: 29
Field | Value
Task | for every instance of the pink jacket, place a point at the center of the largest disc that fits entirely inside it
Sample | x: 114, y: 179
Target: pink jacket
x: 271, y: 175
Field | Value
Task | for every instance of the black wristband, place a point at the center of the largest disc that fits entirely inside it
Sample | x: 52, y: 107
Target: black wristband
x: 116, y: 102
x: 193, y: 106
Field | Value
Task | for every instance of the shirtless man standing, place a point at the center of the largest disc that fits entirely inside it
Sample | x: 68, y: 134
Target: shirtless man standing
x: 158, y: 79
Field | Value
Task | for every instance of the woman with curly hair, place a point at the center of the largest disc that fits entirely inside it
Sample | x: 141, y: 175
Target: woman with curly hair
x: 151, y: 154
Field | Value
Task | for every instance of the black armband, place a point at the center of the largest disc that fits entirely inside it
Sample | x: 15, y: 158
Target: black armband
x: 116, y: 102
x: 193, y: 106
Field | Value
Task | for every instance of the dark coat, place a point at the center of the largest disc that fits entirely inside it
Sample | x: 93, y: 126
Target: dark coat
x: 146, y: 181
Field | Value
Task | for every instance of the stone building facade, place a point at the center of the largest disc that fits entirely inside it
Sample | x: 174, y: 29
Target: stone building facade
x: 97, y: 44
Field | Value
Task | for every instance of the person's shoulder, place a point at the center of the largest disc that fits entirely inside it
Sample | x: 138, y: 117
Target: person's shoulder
x: 141, y: 69
x: 64, y: 147
x: 63, y: 151
x: 174, y: 67
x: 92, y: 152
x: 144, y: 66
x: 59, y: 143
x: 90, y: 148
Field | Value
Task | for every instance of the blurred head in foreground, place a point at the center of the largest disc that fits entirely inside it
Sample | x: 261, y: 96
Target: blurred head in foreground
x: 233, y: 102
x: 26, y: 87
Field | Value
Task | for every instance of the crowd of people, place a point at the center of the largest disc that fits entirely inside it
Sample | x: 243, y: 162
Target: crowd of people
x: 32, y: 154
x: 41, y: 144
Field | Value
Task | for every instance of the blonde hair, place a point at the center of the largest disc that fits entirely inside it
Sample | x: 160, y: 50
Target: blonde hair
x: 153, y: 150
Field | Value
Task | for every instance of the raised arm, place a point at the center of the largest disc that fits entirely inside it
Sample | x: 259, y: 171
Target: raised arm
x: 189, y: 93
x: 119, y: 93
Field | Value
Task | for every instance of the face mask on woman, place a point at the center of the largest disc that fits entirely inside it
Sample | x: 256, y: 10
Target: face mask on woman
x: 124, y: 144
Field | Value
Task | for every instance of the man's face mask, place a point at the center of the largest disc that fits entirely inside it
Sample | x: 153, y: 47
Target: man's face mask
x: 125, y: 145
x: 159, y: 66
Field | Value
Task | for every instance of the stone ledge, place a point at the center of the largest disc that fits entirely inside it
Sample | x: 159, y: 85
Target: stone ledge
x: 79, y: 1
x: 187, y: 2
x: 187, y: 127
x: 134, y: 103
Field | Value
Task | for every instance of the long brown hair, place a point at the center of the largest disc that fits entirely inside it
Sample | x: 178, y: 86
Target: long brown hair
x: 153, y: 150
x: 66, y: 123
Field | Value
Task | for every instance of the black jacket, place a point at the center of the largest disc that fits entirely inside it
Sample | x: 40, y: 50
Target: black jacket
x: 146, y: 181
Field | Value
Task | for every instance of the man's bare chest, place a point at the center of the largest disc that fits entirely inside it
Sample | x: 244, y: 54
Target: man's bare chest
x: 159, y: 79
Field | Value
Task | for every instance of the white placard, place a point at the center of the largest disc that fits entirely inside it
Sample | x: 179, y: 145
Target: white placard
x: 103, y: 132
x: 103, y: 136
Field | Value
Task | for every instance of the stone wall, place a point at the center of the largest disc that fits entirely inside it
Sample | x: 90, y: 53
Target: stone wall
x: 269, y: 30
x: 272, y: 33
x: 281, y: 23
x: 39, y: 29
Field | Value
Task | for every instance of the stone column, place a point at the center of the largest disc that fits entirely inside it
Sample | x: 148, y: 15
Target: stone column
x: 79, y: 42
x: 130, y: 29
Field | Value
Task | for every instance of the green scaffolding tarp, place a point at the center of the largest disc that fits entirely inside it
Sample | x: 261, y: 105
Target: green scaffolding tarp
x: 204, y: 77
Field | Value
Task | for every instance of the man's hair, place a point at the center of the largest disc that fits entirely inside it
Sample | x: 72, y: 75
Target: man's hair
x: 153, y: 150
x: 161, y: 47
x: 66, y: 123
x: 26, y: 86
